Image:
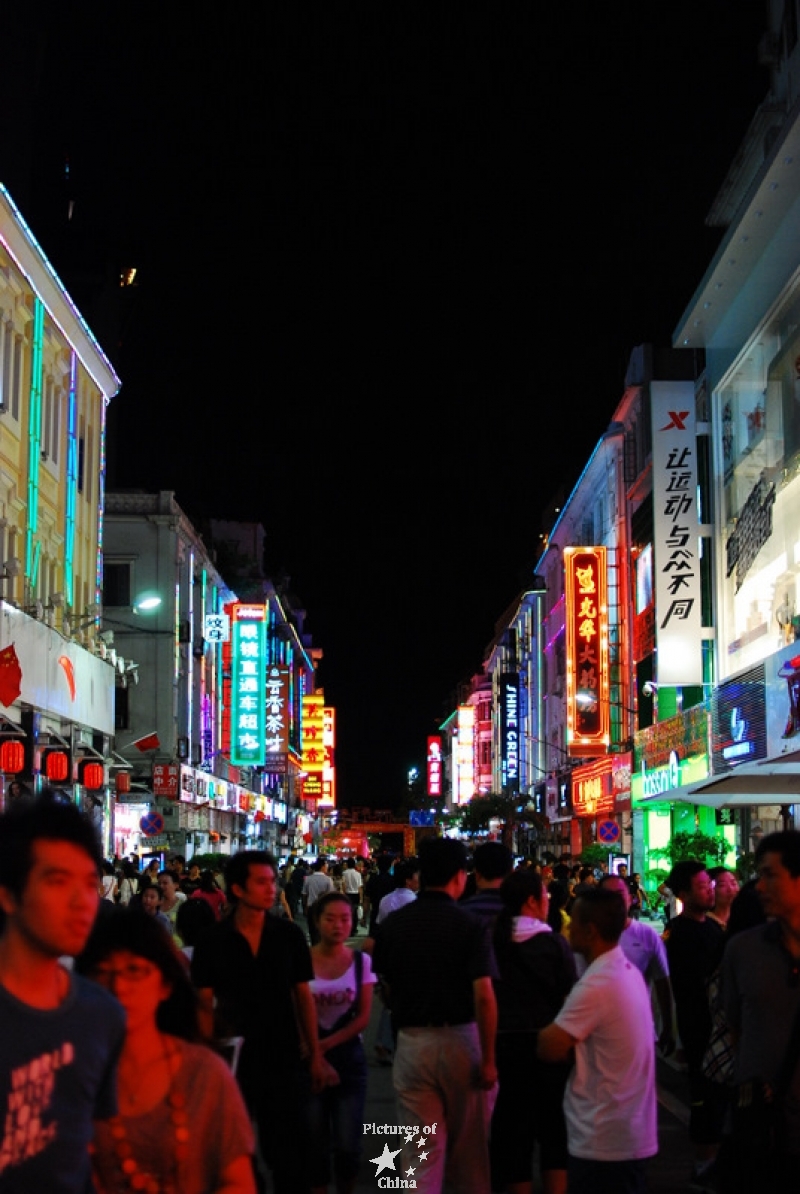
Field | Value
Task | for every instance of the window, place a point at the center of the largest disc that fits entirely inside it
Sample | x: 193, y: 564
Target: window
x: 121, y: 709
x: 117, y: 582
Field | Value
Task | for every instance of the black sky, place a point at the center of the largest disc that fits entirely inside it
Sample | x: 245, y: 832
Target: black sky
x: 392, y: 260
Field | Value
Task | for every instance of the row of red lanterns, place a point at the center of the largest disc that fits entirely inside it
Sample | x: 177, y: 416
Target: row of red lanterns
x: 57, y: 766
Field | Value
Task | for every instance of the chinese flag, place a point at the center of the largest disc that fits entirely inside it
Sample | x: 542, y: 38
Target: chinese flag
x: 10, y: 676
x: 149, y: 742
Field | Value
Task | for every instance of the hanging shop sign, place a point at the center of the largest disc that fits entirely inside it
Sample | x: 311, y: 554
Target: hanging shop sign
x: 313, y: 756
x: 328, y: 797
x: 676, y: 534
x: 592, y: 789
x: 166, y: 779
x: 464, y: 747
x: 434, y: 766
x: 277, y: 718
x: 588, y: 711
x: 559, y: 797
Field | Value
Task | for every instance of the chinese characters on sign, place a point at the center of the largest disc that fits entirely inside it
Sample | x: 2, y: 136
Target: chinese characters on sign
x: 277, y: 718
x: 588, y: 728
x: 313, y: 745
x: 165, y: 780
x: 676, y: 534
x: 592, y: 790
x: 434, y: 766
x: 328, y: 743
x: 248, y: 688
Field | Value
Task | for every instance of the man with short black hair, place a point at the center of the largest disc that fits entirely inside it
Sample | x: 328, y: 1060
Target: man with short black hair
x: 492, y: 861
x: 761, y: 999
x: 694, y: 943
x: 435, y: 960
x: 643, y: 947
x: 258, y: 967
x: 61, y: 1034
x: 610, y: 1103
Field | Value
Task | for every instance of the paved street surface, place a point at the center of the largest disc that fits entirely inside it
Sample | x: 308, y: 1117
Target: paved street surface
x: 668, y: 1173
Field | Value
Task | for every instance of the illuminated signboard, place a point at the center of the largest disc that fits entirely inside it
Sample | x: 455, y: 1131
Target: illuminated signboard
x: 593, y: 789
x: 313, y: 758
x: 434, y: 766
x: 248, y: 684
x: 588, y: 728
x: 329, y: 768
x: 277, y: 719
x: 677, y: 534
x: 465, y: 754
x: 509, y: 729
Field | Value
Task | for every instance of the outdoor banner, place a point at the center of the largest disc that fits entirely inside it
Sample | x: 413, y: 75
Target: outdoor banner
x: 676, y: 534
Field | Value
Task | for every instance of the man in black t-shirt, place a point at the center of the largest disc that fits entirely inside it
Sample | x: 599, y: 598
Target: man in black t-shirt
x: 436, y: 962
x: 258, y: 968
x: 694, y: 944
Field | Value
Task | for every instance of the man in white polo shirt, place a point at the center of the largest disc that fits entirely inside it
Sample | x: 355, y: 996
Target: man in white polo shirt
x: 610, y: 1102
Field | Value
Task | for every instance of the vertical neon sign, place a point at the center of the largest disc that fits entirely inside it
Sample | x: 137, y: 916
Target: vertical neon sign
x: 588, y: 711
x: 71, y: 494
x: 35, y: 439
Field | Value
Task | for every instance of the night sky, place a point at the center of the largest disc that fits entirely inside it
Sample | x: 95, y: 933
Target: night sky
x: 392, y: 260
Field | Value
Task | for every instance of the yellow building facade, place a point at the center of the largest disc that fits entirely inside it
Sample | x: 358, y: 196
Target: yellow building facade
x: 55, y: 385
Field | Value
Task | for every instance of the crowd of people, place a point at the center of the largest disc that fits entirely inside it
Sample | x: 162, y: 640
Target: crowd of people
x: 179, y: 1031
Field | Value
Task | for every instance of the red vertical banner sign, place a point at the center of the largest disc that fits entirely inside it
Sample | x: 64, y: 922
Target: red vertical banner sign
x: 588, y: 711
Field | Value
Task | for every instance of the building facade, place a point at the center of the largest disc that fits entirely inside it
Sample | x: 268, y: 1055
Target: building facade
x: 55, y: 385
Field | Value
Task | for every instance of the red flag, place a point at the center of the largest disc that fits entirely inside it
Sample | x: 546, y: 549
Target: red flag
x: 10, y: 676
x: 149, y: 742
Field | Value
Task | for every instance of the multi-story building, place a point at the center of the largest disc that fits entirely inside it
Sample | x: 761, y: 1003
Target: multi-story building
x: 57, y: 693
x: 745, y: 314
x: 221, y: 768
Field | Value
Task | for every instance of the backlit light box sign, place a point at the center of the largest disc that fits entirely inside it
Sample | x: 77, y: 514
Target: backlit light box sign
x: 588, y: 713
x: 509, y: 730
x: 313, y: 758
x: 465, y: 754
x: 677, y: 534
x: 434, y: 766
x: 248, y: 687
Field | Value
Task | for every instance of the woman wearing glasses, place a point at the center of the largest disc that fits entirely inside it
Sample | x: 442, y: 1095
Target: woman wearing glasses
x: 182, y: 1127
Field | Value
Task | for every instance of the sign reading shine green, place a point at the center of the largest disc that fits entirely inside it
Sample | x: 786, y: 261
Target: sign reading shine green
x: 248, y: 687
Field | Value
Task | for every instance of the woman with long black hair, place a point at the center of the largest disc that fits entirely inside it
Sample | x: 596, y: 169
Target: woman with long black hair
x: 536, y: 973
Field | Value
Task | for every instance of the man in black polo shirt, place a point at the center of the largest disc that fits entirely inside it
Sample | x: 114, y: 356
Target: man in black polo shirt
x: 258, y: 968
x: 435, y: 959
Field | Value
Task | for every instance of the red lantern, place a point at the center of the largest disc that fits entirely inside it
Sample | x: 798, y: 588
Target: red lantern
x: 260, y: 816
x: 308, y: 838
x: 12, y: 756
x: 92, y: 776
x: 56, y: 765
x: 123, y: 782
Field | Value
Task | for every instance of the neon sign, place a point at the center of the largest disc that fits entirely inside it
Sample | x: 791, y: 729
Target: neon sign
x: 434, y: 766
x: 588, y: 713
